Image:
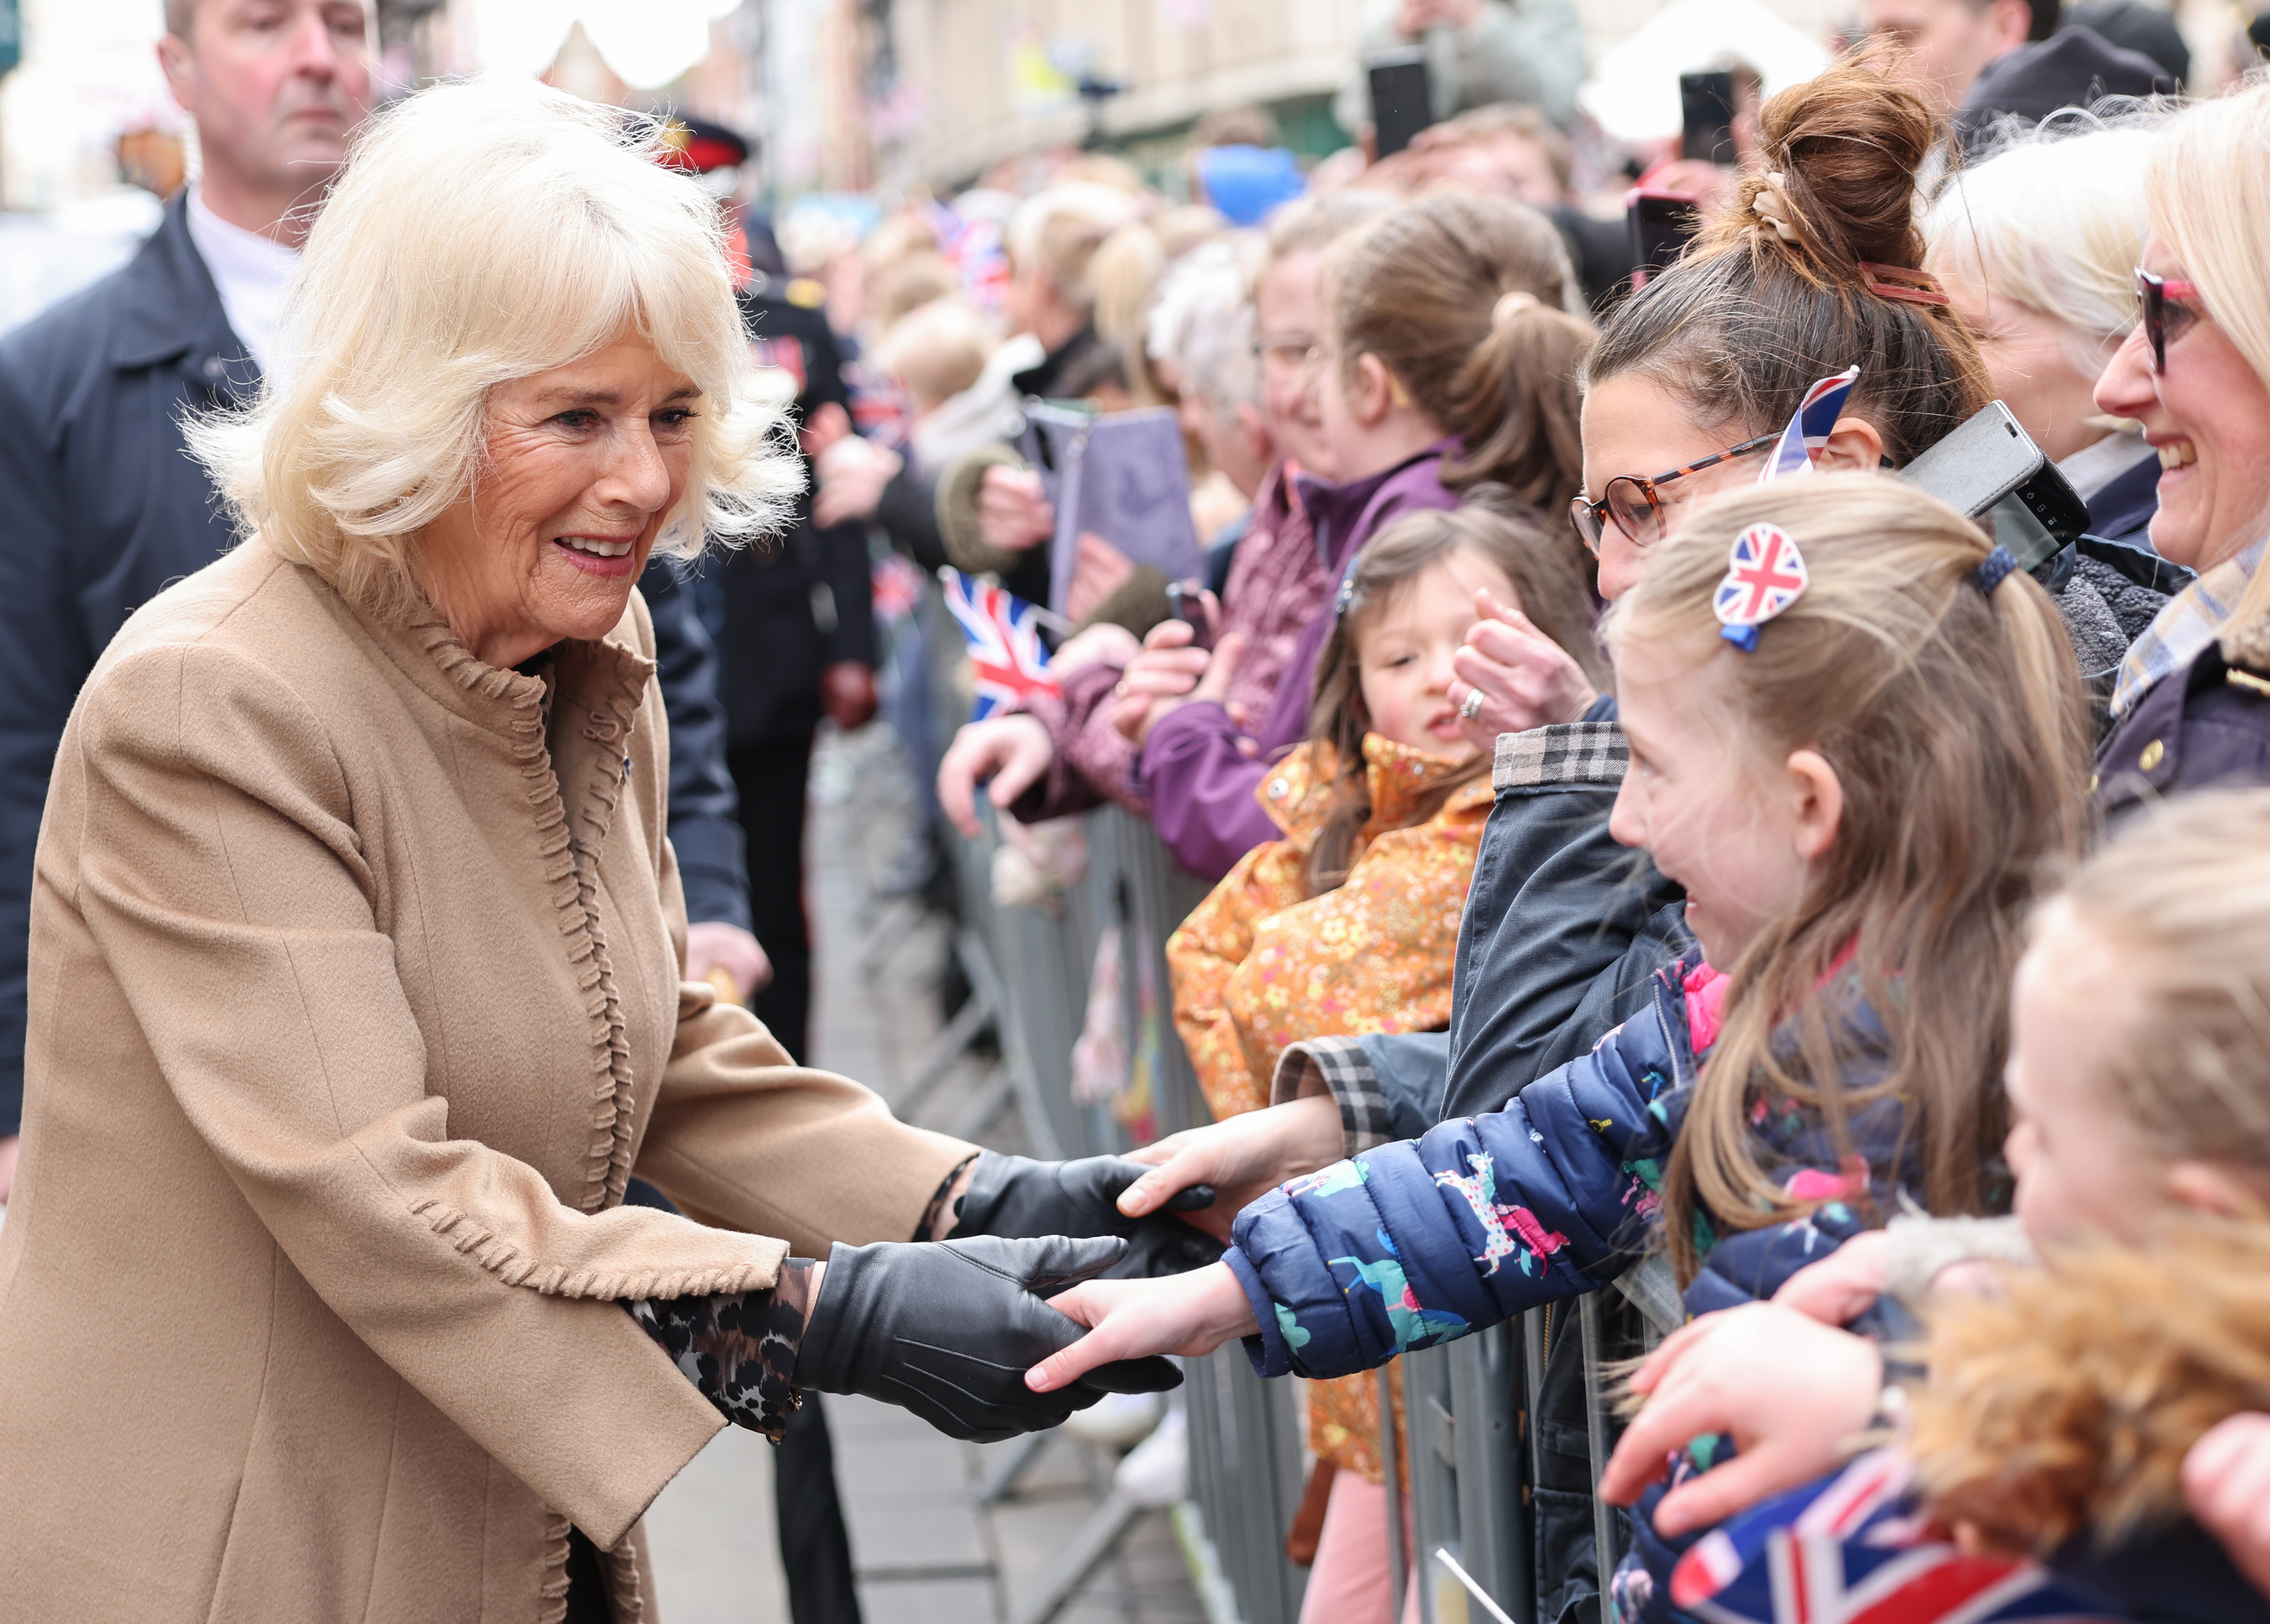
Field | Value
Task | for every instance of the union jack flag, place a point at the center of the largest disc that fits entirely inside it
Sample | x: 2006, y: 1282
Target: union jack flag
x: 1808, y: 430
x: 1849, y: 1548
x: 1765, y: 574
x: 1004, y: 643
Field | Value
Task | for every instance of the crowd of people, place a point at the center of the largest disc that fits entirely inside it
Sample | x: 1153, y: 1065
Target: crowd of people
x: 1640, y: 823
x: 1723, y: 962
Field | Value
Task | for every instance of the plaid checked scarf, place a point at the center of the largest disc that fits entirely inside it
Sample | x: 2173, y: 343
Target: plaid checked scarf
x: 2180, y: 633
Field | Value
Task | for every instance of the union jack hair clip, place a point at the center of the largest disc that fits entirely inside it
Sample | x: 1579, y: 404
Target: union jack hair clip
x: 1765, y: 574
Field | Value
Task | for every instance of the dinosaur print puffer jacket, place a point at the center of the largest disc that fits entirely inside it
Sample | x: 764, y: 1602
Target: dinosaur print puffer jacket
x: 1416, y: 1242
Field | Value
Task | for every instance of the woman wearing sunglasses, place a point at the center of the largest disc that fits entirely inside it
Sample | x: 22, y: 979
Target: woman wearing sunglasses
x: 2193, y: 703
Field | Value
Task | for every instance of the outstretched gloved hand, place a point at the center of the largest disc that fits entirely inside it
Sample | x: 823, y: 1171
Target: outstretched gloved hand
x: 946, y: 1329
x: 1017, y: 1196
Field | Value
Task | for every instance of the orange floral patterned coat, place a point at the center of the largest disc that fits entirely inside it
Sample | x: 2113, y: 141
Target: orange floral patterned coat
x: 1261, y: 964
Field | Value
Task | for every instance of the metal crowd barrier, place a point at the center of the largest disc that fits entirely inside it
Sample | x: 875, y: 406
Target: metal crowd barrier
x: 1467, y: 1444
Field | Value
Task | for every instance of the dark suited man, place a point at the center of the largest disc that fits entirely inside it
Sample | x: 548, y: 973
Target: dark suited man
x: 797, y: 642
x: 104, y: 506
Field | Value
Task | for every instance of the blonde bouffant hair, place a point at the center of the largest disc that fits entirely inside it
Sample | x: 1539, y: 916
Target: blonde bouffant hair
x: 483, y: 233
x: 1956, y: 726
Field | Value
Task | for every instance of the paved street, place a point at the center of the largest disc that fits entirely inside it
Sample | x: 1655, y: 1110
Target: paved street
x: 927, y: 1550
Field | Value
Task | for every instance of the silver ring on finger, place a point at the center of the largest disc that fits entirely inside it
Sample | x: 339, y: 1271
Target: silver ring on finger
x: 1470, y: 706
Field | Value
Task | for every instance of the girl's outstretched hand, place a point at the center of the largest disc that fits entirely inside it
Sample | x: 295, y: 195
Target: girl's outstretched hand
x: 2227, y: 1486
x: 1193, y: 1314
x: 1792, y: 1391
x: 1843, y: 1286
x: 1243, y: 1157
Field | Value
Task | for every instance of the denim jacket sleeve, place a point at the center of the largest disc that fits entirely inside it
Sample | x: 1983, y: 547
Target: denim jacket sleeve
x: 1562, y: 925
x: 1419, y: 1241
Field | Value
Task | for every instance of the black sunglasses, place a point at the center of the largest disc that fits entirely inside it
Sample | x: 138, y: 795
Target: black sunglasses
x: 2161, y: 319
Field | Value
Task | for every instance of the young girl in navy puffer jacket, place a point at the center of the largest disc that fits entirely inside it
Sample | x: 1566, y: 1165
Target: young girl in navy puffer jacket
x: 1860, y: 803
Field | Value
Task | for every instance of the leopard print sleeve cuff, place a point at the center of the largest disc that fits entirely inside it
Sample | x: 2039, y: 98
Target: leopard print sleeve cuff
x: 739, y: 1348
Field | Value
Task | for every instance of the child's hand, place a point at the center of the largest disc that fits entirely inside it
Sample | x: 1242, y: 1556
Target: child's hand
x: 1792, y: 1391
x: 2227, y: 1485
x: 1170, y: 673
x: 1013, y: 751
x: 1243, y: 1157
x: 1193, y: 1313
x: 1843, y: 1286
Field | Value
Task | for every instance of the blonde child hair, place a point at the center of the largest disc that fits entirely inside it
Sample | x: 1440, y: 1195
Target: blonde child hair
x: 2070, y: 1403
x: 937, y: 351
x: 1955, y: 722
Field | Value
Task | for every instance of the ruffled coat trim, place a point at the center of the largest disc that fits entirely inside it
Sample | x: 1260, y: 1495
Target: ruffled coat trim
x: 599, y: 687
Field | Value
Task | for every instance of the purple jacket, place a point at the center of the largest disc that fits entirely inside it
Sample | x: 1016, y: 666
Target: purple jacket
x: 1200, y: 782
x: 1276, y: 584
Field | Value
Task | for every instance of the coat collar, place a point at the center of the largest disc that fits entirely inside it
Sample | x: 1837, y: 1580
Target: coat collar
x: 172, y: 313
x: 598, y: 684
x: 2122, y: 507
x: 1297, y: 794
x: 1337, y: 510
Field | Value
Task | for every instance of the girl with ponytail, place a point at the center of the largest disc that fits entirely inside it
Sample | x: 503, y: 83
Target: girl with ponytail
x: 1449, y: 359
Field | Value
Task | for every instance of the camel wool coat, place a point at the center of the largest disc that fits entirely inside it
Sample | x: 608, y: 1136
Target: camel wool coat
x: 355, y: 998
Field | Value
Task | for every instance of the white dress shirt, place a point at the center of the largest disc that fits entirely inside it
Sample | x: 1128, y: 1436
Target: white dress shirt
x: 251, y: 272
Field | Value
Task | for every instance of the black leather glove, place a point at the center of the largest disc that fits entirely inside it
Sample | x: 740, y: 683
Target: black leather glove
x: 947, y: 1328
x: 1017, y: 1196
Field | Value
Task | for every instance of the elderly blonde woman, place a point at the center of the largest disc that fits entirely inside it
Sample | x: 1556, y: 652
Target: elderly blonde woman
x: 356, y: 989
x: 2038, y: 245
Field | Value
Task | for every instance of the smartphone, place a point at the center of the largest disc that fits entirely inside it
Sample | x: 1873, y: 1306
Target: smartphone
x: 1659, y: 223
x: 1706, y: 105
x: 1186, y: 601
x: 1402, y: 100
x: 1989, y: 459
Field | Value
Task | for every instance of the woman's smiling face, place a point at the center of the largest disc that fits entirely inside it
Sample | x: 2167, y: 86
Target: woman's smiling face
x: 582, y: 466
x: 2208, y: 414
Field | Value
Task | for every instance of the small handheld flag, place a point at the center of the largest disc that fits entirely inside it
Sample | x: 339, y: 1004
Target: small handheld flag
x: 1004, y: 643
x: 1854, y: 1547
x: 1808, y: 430
x: 1765, y: 574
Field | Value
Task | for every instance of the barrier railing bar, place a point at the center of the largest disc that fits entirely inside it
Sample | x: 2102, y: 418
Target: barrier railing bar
x: 952, y: 1041
x: 1106, y: 1526
x: 986, y: 985
x: 1604, y: 1515
x: 1472, y: 1588
x: 1390, y: 1460
x: 1434, y: 1510
x: 1493, y: 1527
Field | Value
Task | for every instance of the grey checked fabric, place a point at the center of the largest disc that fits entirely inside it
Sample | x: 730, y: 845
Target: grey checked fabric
x: 1342, y: 1066
x: 1567, y: 753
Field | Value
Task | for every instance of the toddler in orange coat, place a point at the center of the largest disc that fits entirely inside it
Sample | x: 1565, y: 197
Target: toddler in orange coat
x: 1349, y: 922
